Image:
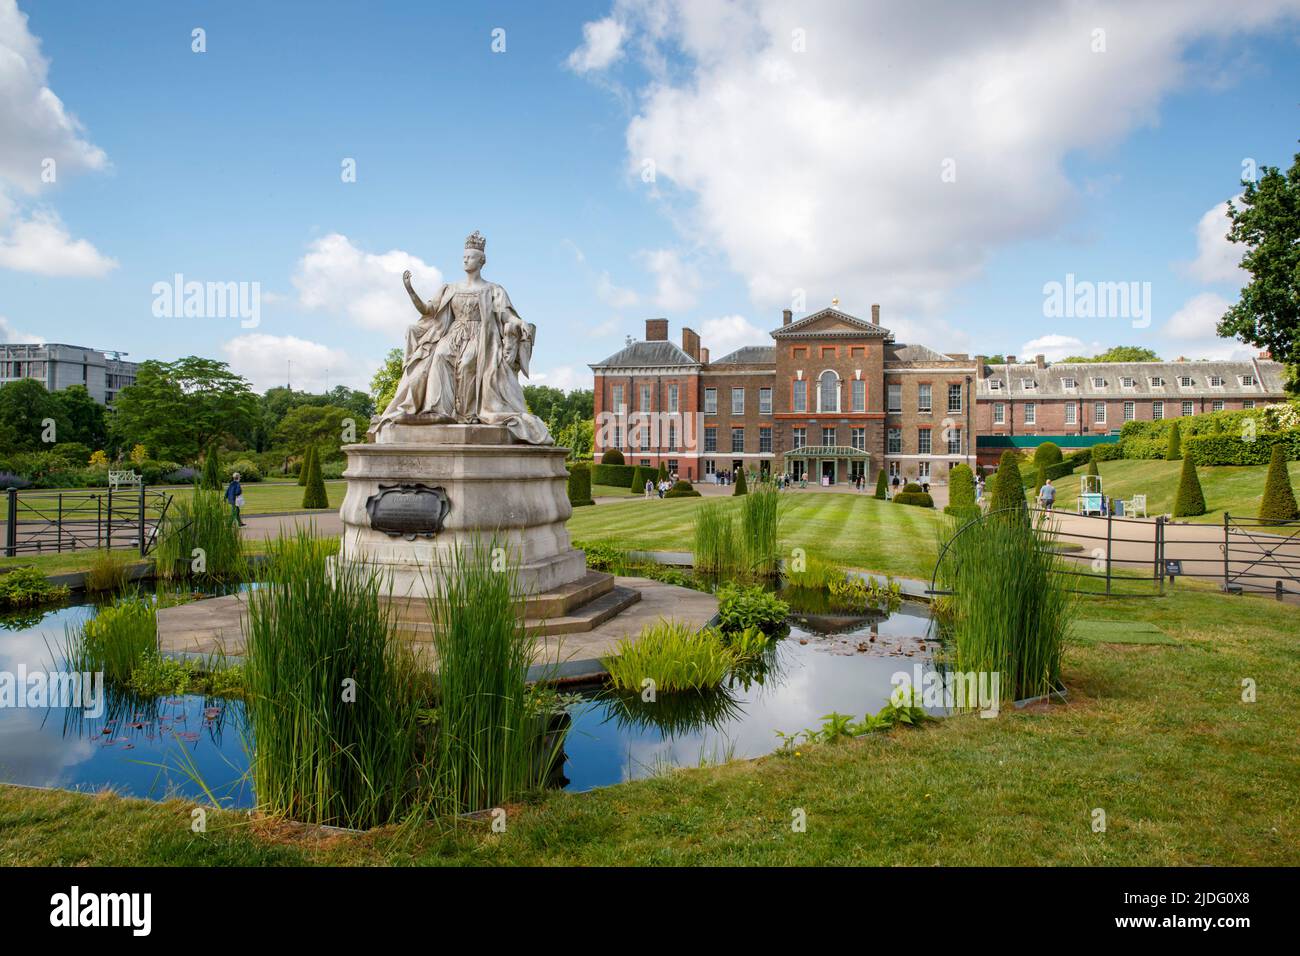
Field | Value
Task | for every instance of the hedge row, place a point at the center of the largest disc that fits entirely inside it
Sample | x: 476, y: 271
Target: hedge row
x: 916, y: 498
x: 580, y: 485
x: 617, y: 475
x: 1234, y: 450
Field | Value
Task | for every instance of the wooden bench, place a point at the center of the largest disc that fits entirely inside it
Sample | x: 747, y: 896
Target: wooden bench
x: 116, y: 479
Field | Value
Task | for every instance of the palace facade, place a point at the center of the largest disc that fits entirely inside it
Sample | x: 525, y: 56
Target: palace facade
x: 836, y: 396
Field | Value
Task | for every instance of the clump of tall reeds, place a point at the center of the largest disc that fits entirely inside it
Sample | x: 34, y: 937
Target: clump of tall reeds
x: 332, y: 694
x: 200, y: 539
x: 108, y: 571
x: 114, y: 641
x: 750, y: 550
x: 1010, y: 611
x: 491, y: 746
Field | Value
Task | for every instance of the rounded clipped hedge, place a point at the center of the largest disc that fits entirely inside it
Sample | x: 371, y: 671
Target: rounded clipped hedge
x: 682, y: 489
x: 961, y: 486
x: 918, y: 499
x: 248, y: 472
x: 1047, y: 454
x: 611, y: 457
x: 910, y: 488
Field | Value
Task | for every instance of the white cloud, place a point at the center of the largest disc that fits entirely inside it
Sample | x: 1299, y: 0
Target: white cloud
x: 1191, y: 330
x: 730, y: 332
x: 676, y: 282
x: 821, y: 170
x: 9, y: 334
x: 614, y: 296
x: 42, y: 245
x: 1198, y: 317
x: 34, y: 126
x: 271, y: 360
x: 563, y: 377
x: 337, y: 276
x: 1216, y: 258
x: 602, y: 44
x: 1055, y: 347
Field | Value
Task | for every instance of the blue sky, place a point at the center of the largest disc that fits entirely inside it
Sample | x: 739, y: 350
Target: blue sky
x: 793, y: 150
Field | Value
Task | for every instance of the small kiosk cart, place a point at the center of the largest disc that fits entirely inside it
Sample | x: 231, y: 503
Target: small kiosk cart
x: 1091, y: 500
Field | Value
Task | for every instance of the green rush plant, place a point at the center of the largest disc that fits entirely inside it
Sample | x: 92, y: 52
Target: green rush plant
x: 717, y: 546
x: 760, y: 529
x: 1009, y: 611
x: 331, y: 694
x: 674, y: 656
x: 114, y: 641
x: 491, y: 746
x: 199, y: 539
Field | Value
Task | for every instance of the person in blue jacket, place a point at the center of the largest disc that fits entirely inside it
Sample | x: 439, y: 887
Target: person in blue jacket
x: 235, y: 495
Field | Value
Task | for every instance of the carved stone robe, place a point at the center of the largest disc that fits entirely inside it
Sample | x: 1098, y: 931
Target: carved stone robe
x: 455, y: 373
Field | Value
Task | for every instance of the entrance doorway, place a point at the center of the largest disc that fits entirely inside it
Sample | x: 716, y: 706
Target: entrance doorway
x: 828, y: 472
x: 798, y: 468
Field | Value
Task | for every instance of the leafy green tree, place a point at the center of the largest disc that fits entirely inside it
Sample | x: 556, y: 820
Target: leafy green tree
x: 383, y: 386
x: 882, y: 485
x: 1175, y: 449
x: 1118, y: 353
x: 1278, y: 504
x: 80, y: 417
x: 178, y: 408
x: 320, y: 426
x: 1047, y: 454
x: 1189, y: 500
x: 25, y: 406
x: 1266, y: 223
x: 314, y: 495
x: 740, y: 487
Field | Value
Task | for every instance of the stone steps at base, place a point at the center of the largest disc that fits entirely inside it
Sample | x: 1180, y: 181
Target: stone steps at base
x: 554, y: 604
x: 587, y: 617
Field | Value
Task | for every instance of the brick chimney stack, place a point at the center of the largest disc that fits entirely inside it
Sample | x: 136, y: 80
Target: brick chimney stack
x: 1011, y: 360
x: 656, y: 330
x: 1040, y: 361
x: 691, y: 343
x: 786, y: 316
x: 704, y: 356
x: 875, y: 314
x: 981, y: 366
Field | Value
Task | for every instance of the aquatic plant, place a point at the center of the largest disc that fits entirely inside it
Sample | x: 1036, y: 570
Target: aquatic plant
x: 813, y: 574
x: 760, y: 530
x: 27, y: 587
x: 1009, y: 611
x: 857, y: 594
x: 114, y: 641
x: 741, y: 607
x: 492, y: 744
x: 717, y: 547
x: 332, y: 695
x: 200, y: 539
x: 837, y: 727
x: 673, y: 656
x: 108, y: 571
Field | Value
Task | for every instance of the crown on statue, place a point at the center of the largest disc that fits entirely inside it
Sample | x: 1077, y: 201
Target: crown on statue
x: 475, y: 241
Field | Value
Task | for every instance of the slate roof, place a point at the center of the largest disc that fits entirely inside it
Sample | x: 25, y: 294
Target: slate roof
x: 749, y: 355
x: 1049, y: 381
x: 917, y: 353
x: 646, y: 355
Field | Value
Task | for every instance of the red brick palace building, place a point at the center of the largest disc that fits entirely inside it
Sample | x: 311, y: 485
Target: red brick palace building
x: 836, y: 396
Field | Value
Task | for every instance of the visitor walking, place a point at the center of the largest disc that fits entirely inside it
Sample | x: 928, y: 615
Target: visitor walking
x: 1047, y: 494
x: 649, y: 488
x: 235, y: 496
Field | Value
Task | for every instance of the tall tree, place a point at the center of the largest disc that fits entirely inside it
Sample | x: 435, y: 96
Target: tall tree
x: 1267, y: 225
x: 177, y: 408
x: 25, y: 408
x: 80, y: 417
x: 383, y: 386
x: 1118, y: 353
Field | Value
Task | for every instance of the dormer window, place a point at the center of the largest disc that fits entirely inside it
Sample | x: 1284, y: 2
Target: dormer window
x: 1157, y: 381
x: 1126, y: 382
x: 1028, y: 384
x: 1098, y: 382
x: 1184, y: 381
x: 1216, y: 381
x: 1068, y: 383
x: 995, y: 384
x: 1247, y: 380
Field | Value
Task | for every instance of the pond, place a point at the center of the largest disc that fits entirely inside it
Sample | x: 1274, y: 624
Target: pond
x: 190, y: 747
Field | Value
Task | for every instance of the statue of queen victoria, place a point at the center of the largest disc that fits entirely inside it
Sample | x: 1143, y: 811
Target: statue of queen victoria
x: 463, y: 358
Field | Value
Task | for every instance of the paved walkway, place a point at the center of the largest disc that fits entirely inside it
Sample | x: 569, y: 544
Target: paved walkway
x: 216, y: 624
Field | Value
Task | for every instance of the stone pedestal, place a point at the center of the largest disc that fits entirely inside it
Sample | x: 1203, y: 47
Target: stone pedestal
x: 494, y: 487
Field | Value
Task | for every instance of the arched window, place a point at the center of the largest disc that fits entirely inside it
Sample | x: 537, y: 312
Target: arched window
x: 828, y: 392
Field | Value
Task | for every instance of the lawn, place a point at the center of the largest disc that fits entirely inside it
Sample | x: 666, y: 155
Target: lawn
x: 854, y: 530
x: 1156, y: 736
x: 1235, y: 489
x: 610, y: 491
